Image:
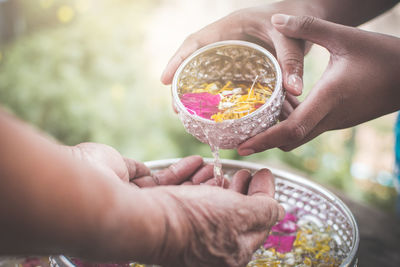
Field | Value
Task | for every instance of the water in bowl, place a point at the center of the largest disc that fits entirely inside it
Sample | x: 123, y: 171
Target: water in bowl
x: 222, y: 101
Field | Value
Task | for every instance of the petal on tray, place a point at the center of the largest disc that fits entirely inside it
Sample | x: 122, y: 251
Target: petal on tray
x: 281, y: 243
x: 287, y: 225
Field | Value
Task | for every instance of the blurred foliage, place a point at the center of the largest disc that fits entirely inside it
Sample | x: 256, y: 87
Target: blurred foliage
x: 83, y: 81
x: 79, y: 73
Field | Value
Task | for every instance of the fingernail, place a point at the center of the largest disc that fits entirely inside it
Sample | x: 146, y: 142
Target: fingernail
x: 279, y: 19
x: 295, y: 82
x: 246, y: 151
x: 281, y: 213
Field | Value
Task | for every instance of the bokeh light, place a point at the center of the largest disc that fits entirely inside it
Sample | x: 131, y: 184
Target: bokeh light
x: 65, y: 13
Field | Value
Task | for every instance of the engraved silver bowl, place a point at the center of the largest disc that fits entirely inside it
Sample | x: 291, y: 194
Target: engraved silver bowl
x: 229, y: 61
x: 320, y: 205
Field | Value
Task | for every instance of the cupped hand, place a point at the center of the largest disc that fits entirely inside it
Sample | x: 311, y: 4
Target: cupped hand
x: 203, y: 225
x: 211, y: 226
x: 189, y: 170
x: 254, y: 25
x: 360, y: 83
x: 109, y: 161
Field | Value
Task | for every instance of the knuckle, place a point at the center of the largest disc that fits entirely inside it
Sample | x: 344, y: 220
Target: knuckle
x: 173, y: 170
x: 297, y: 132
x: 293, y: 62
x: 305, y: 23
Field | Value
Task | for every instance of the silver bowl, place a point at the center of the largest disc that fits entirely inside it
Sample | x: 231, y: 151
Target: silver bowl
x: 292, y: 190
x: 229, y: 61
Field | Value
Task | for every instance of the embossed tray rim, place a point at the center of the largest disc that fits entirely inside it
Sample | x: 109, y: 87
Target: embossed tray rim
x: 351, y: 259
x: 232, y: 165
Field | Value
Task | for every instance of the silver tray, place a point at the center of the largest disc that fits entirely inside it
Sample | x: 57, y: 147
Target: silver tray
x: 291, y: 191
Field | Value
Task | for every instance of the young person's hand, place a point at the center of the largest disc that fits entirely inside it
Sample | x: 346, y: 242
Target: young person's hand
x: 254, y: 25
x: 361, y: 83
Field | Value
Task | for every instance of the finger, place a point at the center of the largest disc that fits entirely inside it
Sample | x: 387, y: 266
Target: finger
x: 249, y: 243
x: 285, y: 133
x: 203, y: 174
x: 263, y: 182
x: 145, y: 181
x: 297, y: 126
x: 214, y: 182
x: 240, y: 181
x: 289, y: 105
x: 319, y: 129
x: 136, y: 168
x: 290, y: 54
x: 255, y: 239
x: 310, y: 28
x: 294, y: 102
x: 187, y: 183
x: 226, y: 183
x: 134, y: 185
x: 265, y: 211
x: 209, y: 34
x: 316, y: 132
x: 187, y: 48
x: 287, y: 109
x: 192, y: 43
x: 178, y: 172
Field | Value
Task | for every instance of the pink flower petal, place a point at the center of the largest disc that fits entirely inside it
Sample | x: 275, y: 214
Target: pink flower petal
x: 202, y: 104
x: 282, y: 244
x: 287, y: 225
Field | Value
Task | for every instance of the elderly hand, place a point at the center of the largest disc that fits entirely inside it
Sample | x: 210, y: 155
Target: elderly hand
x: 361, y: 83
x: 189, y: 170
x: 192, y: 225
x: 253, y: 24
x: 211, y: 226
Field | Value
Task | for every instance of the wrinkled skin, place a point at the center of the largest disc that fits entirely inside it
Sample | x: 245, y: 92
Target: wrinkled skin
x: 204, y: 225
x: 220, y: 227
x: 106, y: 159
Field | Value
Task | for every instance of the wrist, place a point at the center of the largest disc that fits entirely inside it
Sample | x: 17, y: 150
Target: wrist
x: 144, y: 225
x: 315, y: 8
x: 173, y: 230
x: 255, y: 21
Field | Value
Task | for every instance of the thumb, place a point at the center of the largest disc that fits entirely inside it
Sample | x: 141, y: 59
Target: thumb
x: 290, y: 54
x: 309, y: 28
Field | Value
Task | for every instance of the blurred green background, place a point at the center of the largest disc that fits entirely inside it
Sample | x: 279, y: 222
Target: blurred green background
x: 86, y: 70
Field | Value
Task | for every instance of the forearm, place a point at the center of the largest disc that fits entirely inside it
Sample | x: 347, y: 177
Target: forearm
x: 350, y: 12
x: 50, y: 203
